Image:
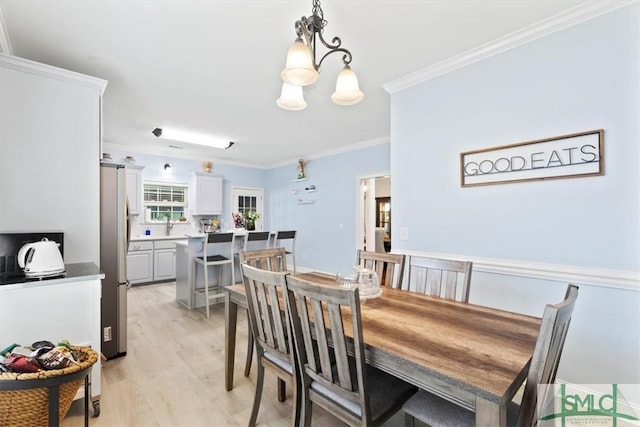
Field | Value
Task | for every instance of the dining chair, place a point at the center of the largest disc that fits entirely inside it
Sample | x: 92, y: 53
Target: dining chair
x: 436, y: 411
x: 269, y: 320
x: 388, y: 266
x: 438, y: 277
x: 326, y: 324
x: 217, y: 251
x: 272, y: 260
x: 287, y: 240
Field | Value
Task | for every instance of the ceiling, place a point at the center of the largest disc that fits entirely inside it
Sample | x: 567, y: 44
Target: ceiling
x: 214, y: 66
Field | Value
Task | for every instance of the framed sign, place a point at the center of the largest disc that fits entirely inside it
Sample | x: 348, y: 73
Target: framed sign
x: 567, y: 156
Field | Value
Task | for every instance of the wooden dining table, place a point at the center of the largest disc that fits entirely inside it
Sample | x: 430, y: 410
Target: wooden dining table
x: 475, y: 356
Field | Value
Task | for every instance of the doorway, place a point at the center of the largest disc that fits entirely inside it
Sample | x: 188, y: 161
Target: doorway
x: 373, y: 213
x: 248, y: 200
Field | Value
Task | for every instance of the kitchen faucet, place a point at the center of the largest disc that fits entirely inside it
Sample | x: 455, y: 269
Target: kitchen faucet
x: 169, y: 226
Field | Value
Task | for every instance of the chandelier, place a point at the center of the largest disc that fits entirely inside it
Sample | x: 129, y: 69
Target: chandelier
x: 302, y: 67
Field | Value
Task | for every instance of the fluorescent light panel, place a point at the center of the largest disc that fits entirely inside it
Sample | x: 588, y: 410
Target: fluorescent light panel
x: 194, y: 138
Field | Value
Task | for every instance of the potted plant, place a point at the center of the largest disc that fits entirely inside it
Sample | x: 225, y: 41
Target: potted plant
x: 250, y: 219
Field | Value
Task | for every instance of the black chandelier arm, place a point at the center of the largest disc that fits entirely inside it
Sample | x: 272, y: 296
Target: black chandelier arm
x: 346, y: 58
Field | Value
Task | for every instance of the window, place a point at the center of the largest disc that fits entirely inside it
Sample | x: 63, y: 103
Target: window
x: 162, y: 199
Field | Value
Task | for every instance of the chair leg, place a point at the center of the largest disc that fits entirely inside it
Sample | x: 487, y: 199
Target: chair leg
x: 247, y: 365
x: 206, y: 287
x: 409, y: 421
x: 258, y: 396
x: 293, y: 255
x: 282, y: 390
x: 305, y: 410
x: 233, y: 270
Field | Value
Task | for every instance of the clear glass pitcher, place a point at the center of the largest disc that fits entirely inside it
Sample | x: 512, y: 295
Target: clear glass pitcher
x: 368, y: 283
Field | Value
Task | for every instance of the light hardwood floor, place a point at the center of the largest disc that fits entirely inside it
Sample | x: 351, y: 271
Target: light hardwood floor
x: 173, y: 373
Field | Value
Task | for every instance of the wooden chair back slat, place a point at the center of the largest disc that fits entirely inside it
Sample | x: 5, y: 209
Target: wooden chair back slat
x: 438, y: 277
x: 388, y: 266
x: 266, y: 259
x: 266, y: 310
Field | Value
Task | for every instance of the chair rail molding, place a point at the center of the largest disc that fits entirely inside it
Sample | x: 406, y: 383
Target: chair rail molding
x: 617, y: 279
x: 532, y: 32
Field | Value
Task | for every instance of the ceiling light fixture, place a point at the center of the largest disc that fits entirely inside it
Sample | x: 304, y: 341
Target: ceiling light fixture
x: 301, y: 68
x: 192, y: 138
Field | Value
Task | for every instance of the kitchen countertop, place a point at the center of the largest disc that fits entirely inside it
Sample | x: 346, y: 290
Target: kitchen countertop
x: 142, y: 238
x: 193, y: 235
x: 73, y: 273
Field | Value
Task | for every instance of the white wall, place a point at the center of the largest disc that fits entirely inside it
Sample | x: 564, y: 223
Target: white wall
x: 49, y: 136
x: 582, y: 78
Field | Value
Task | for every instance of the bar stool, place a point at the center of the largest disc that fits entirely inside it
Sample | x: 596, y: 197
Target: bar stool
x: 252, y: 241
x: 256, y: 240
x: 289, y: 235
x: 217, y: 251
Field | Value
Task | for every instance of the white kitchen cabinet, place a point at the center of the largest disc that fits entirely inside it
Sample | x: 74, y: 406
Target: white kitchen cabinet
x: 140, y: 262
x: 205, y: 194
x: 164, y: 260
x: 50, y: 139
x: 135, y: 192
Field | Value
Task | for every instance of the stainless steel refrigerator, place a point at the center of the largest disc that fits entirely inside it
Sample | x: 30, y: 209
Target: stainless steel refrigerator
x: 114, y: 243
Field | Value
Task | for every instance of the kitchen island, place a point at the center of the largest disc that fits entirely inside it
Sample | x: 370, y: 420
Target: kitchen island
x: 185, y: 252
x: 66, y: 307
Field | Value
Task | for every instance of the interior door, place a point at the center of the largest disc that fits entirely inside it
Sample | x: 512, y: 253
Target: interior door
x: 246, y: 200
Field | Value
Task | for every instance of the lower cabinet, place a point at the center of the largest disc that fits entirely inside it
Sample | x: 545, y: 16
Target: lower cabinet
x: 140, y: 262
x: 151, y: 261
x: 164, y: 260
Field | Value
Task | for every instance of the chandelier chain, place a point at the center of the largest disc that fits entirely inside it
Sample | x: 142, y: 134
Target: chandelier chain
x: 317, y: 11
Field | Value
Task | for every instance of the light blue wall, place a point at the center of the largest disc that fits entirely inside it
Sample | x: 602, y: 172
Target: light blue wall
x: 582, y: 78
x: 326, y: 228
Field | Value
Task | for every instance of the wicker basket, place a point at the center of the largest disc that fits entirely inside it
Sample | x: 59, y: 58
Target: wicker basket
x: 30, y: 407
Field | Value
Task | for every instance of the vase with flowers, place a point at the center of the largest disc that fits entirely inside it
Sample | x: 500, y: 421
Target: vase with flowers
x: 250, y: 218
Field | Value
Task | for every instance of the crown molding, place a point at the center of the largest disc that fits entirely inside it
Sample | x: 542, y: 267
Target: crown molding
x: 48, y: 71
x: 353, y: 147
x: 5, y: 44
x: 193, y: 155
x: 532, y: 32
x: 617, y: 279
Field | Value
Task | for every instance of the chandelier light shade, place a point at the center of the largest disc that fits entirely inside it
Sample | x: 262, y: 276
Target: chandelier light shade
x: 291, y: 98
x: 299, y: 70
x: 302, y: 68
x: 347, y: 89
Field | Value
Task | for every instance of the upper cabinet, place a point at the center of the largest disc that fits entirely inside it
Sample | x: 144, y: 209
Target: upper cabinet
x: 205, y: 194
x: 50, y: 136
x: 134, y: 189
